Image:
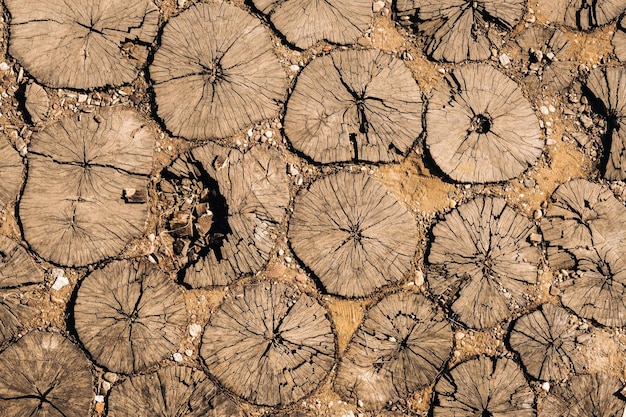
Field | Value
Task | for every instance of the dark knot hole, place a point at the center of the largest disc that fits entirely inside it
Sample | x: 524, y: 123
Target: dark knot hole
x: 481, y: 123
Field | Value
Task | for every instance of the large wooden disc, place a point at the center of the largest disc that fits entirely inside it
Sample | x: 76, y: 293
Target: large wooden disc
x: 584, y: 14
x: 72, y: 210
x: 482, y: 260
x: 11, y: 172
x: 400, y: 348
x: 619, y: 39
x: 304, y: 22
x: 177, y: 391
x: 45, y: 375
x: 354, y: 105
x: 13, y: 315
x: 484, y: 386
x: 17, y: 267
x: 36, y: 102
x: 458, y: 30
x: 269, y: 344
x: 584, y: 396
x: 480, y: 126
x: 352, y: 233
x: 129, y: 315
x: 84, y: 43
x: 220, y: 59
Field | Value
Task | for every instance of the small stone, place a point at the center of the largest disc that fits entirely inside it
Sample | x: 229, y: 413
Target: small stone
x: 535, y: 238
x: 106, y: 386
x: 60, y: 282
x: 82, y: 98
x: 378, y: 6
x: 441, y: 70
x: 538, y: 214
x: 4, y: 66
x: 392, y: 339
x: 181, y: 3
x: 194, y: 330
x: 419, y: 277
x: 550, y: 142
x: 293, y: 171
x: 551, y: 108
x: 99, y: 398
x: 359, y: 403
x: 269, y: 134
x: 189, y: 352
x: 110, y: 377
x: 288, y: 259
x: 544, y: 110
x: 301, y: 278
x: 134, y: 196
x: 529, y: 183
x: 459, y: 335
x: 177, y: 357
x: 546, y: 386
x: 504, y: 60
x: 294, y: 68
x: 586, y: 121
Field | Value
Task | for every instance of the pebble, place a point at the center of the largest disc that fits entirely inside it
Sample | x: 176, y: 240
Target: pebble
x: 538, y: 214
x: 188, y: 352
x: 550, y: 142
x: 529, y: 183
x: 294, y: 68
x: 4, y: 66
x: 269, y: 134
x: 544, y: 110
x: 586, y: 121
x: 106, y: 386
x: 181, y: 3
x: 551, y: 108
x: 504, y: 60
x: 546, y: 386
x: 459, y: 335
x: 535, y: 238
x: 110, y: 377
x: 301, y: 278
x: 177, y: 357
x: 378, y: 6
x: 359, y: 403
x: 82, y: 98
x: 99, y: 398
x: 194, y: 330
x: 60, y: 282
x: 419, y: 277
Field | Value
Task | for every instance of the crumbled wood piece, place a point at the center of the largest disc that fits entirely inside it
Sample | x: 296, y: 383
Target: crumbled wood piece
x: 37, y: 102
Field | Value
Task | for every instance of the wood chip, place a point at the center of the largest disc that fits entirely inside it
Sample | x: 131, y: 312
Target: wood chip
x: 11, y: 172
x: 129, y: 315
x: 78, y: 44
x: 482, y: 261
x: 584, y: 14
x: 220, y: 59
x: 355, y: 105
x: 72, y: 210
x: 619, y: 39
x: 459, y: 30
x: 608, y: 86
x: 480, y: 126
x: 400, y: 348
x: 304, y: 23
x: 585, y: 395
x: 547, y: 342
x: 37, y: 102
x: 170, y: 391
x: 272, y: 346
x: 54, y: 378
x: 484, y: 386
x: 354, y: 235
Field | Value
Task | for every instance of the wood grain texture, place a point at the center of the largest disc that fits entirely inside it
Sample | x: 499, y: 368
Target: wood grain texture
x: 481, y: 260
x: 220, y: 59
x: 484, y: 386
x: 45, y: 375
x: 176, y: 391
x: 269, y: 344
x: 480, y: 127
x: 72, y: 210
x: 17, y: 267
x: 401, y: 346
x: 354, y: 106
x: 619, y: 39
x: 304, y: 22
x: 36, y: 102
x: 584, y: 14
x: 11, y: 172
x: 585, y: 395
x: 81, y: 44
x: 458, y: 30
x: 14, y: 316
x: 129, y: 315
x: 352, y: 233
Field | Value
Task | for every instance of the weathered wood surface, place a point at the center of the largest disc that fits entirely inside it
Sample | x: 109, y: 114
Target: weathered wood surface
x: 481, y: 260
x: 248, y: 195
x: 619, y: 39
x: 354, y: 105
x: 17, y: 267
x: 584, y: 14
x: 220, y: 59
x: 45, y: 375
x: 129, y: 315
x: 547, y: 341
x: 401, y: 346
x: 269, y: 344
x: 484, y: 386
x: 608, y: 86
x: 480, y: 127
x: 81, y: 44
x: 176, y: 391
x: 304, y: 22
x: 585, y: 231
x: 13, y: 315
x: 584, y: 396
x: 72, y: 210
x: 36, y: 102
x: 458, y: 30
x: 352, y: 233
x: 11, y: 172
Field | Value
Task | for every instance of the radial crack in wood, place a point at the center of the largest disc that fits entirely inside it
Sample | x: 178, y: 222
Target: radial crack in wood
x: 482, y: 261
x: 45, y: 375
x: 585, y: 395
x: 353, y: 234
x: 304, y: 22
x: 354, y: 105
x: 11, y: 172
x: 585, y: 231
x: 480, y: 127
x: 17, y: 267
x: 584, y: 14
x: 458, y: 30
x: 484, y: 386
x: 36, y: 103
x: 619, y: 39
x: 608, y: 88
x: 220, y: 59
x: 129, y: 315
x: 82, y: 44
x: 400, y: 348
x: 177, y: 391
x: 269, y: 344
x: 14, y: 315
x: 547, y: 342
x: 247, y: 195
x: 72, y: 210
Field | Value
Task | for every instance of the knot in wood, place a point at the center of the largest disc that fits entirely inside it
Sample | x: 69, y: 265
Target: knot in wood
x: 213, y: 72
x: 481, y: 123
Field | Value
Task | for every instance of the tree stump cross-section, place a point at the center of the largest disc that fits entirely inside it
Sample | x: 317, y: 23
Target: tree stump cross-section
x: 354, y: 105
x: 481, y: 259
x: 400, y: 348
x: 220, y: 59
x: 72, y: 211
x: 82, y: 44
x: 269, y: 344
x: 11, y: 172
x: 352, y: 233
x: 129, y: 315
x: 619, y: 39
x: 480, y: 127
x: 584, y: 14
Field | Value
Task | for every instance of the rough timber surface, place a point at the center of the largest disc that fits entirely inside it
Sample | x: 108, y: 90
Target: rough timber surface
x: 619, y: 39
x: 36, y: 102
x: 82, y: 44
x: 583, y: 14
x: 355, y: 106
x: 11, y: 171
